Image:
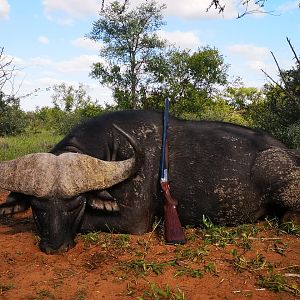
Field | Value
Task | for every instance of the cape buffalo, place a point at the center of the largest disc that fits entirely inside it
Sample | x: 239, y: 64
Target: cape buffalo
x: 104, y: 175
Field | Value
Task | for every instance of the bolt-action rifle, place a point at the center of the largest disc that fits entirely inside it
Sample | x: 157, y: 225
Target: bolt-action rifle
x: 173, y: 230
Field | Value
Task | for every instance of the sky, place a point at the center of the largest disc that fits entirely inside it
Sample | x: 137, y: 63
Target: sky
x: 46, y: 40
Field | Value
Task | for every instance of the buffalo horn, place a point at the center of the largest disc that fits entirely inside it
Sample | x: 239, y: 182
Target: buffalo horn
x: 45, y: 175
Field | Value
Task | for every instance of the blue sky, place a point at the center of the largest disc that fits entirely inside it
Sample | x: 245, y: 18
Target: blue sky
x: 46, y: 41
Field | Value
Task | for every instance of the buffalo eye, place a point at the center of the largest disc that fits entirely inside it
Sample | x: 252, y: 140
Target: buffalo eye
x: 75, y: 203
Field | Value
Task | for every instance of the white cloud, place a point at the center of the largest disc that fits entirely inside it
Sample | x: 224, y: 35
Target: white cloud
x: 40, y: 61
x: 189, y: 9
x: 4, y: 9
x: 50, y: 81
x: 195, y: 9
x: 61, y: 20
x: 87, y: 44
x: 185, y: 40
x: 43, y: 39
x: 81, y: 63
x: 73, y: 8
x: 291, y: 5
x: 249, y: 51
x: 247, y: 60
x: 256, y: 65
x: 21, y: 64
x: 15, y: 60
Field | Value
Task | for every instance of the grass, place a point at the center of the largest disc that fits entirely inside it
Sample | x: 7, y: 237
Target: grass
x: 191, y: 254
x: 6, y: 287
x: 240, y: 263
x: 81, y: 295
x: 90, y: 238
x: 283, y: 228
x: 278, y: 283
x: 133, y: 262
x: 15, y: 146
x: 157, y: 292
x: 41, y: 295
x: 142, y: 267
x: 222, y: 236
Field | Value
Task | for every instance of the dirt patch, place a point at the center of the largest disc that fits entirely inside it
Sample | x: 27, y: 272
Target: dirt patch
x: 249, y: 262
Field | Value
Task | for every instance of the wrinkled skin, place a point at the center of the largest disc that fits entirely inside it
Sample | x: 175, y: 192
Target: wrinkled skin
x: 231, y: 174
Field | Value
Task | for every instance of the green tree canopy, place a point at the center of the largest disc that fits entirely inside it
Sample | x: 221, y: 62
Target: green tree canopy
x: 190, y: 79
x: 69, y: 98
x: 71, y: 106
x: 279, y: 113
x: 12, y: 118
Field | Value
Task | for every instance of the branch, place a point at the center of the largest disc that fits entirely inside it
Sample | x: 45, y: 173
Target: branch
x: 245, y: 10
x: 279, y: 69
x: 256, y: 11
x: 285, y: 89
x: 6, y: 72
x: 217, y: 5
x: 282, y: 88
x: 291, y: 46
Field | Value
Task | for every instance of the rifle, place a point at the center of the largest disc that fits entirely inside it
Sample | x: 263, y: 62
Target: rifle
x: 173, y: 231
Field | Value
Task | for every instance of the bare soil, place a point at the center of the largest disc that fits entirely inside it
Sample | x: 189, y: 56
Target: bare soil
x: 261, y: 263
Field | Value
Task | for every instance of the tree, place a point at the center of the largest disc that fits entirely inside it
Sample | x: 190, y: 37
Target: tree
x: 12, y: 118
x: 190, y: 79
x: 280, y: 112
x: 68, y: 98
x: 130, y: 43
x: 71, y: 106
x: 245, y: 101
x: 6, y: 69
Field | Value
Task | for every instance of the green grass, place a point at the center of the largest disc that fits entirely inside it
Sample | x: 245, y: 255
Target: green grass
x: 141, y: 267
x: 15, y: 146
x: 90, y: 238
x: 257, y: 263
x: 222, y: 236
x: 157, y: 292
x: 283, y: 228
x: 278, y: 283
x: 41, y: 295
x: 6, y: 287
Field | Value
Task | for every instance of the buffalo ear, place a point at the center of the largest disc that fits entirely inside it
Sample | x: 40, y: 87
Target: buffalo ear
x: 15, y: 203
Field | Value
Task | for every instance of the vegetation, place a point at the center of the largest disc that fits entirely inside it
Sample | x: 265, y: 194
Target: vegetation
x: 197, y: 259
x: 142, y: 70
x: 15, y: 146
x: 130, y: 45
x: 156, y: 292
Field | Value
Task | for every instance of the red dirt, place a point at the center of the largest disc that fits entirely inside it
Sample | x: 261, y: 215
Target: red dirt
x: 112, y: 266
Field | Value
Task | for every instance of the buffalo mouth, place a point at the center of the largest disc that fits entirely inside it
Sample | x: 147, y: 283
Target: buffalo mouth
x: 56, y: 249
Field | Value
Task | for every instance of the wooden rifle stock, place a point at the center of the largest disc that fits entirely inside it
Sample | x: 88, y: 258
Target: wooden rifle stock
x: 173, y: 230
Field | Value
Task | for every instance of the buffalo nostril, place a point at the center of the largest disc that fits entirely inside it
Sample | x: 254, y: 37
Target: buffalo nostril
x: 50, y: 249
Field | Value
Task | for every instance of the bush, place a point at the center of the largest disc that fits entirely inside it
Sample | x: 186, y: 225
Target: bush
x: 61, y: 121
x: 12, y: 119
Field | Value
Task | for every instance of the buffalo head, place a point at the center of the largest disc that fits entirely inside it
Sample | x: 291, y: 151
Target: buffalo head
x: 55, y: 187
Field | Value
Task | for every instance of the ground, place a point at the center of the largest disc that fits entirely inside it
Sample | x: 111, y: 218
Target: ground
x: 258, y: 261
